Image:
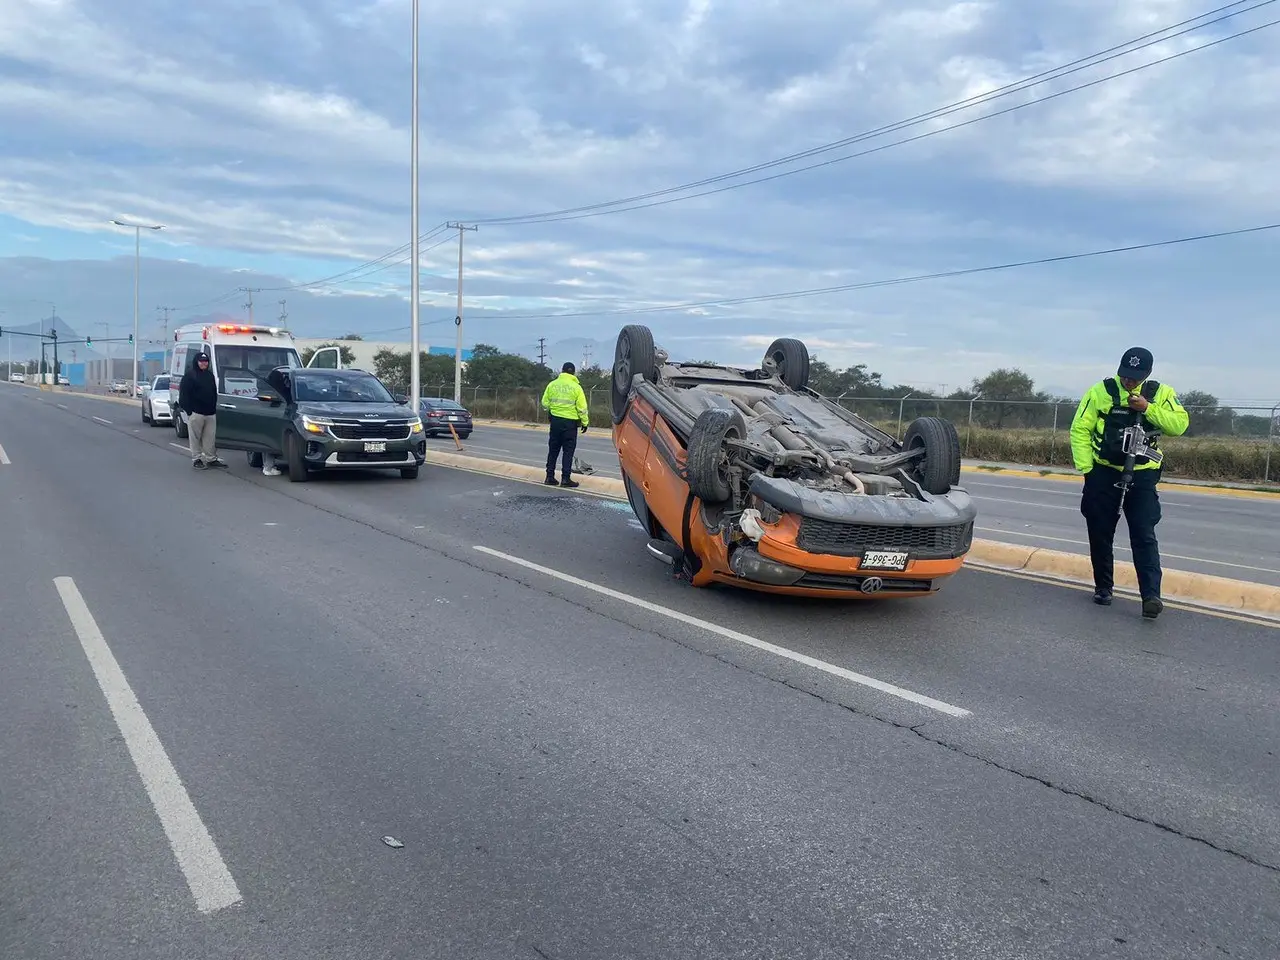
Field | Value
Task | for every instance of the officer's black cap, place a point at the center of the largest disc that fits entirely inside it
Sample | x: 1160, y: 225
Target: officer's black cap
x: 1136, y: 364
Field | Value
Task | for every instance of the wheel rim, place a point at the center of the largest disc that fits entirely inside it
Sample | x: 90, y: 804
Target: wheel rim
x: 622, y: 364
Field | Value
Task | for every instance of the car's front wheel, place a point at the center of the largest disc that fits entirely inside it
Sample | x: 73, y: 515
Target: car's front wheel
x: 293, y: 456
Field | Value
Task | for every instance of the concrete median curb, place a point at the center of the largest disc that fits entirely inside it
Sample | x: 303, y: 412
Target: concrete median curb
x: 1203, y: 590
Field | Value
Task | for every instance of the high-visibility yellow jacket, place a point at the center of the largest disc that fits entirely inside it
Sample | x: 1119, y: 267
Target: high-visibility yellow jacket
x: 1163, y: 413
x: 563, y: 397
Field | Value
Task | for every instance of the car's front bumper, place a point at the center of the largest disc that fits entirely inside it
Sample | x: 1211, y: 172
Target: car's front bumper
x: 160, y: 412
x: 327, y: 453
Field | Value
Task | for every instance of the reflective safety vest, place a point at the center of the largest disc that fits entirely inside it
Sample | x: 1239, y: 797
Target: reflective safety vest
x: 564, y: 398
x: 1103, y: 414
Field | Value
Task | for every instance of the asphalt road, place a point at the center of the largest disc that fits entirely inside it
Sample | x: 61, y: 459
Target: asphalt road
x: 1213, y: 533
x: 577, y: 773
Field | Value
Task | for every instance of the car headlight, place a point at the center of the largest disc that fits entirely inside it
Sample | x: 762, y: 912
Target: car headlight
x: 316, y: 424
x: 416, y: 424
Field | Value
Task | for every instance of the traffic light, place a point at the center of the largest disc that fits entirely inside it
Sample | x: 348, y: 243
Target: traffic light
x: 131, y: 338
x: 88, y: 341
x: 54, y: 333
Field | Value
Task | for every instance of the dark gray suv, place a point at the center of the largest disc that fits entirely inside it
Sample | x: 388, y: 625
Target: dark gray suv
x: 319, y: 420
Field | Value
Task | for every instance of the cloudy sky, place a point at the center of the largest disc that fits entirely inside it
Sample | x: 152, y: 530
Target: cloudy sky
x: 272, y: 140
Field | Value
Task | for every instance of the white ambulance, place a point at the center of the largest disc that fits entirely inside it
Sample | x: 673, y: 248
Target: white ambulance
x: 240, y: 355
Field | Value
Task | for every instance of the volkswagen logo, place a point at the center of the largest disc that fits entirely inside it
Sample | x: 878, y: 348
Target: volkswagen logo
x: 871, y: 585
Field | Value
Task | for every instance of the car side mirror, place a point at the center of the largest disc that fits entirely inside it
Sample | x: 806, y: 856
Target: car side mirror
x: 266, y: 396
x: 401, y: 399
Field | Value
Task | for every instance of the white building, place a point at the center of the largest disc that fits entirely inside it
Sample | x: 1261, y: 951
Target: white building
x: 364, y: 350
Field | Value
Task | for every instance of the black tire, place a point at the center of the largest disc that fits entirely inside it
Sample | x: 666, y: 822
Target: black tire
x: 939, y: 470
x: 293, y: 456
x: 463, y: 436
x: 409, y: 473
x: 180, y: 426
x: 255, y: 460
x: 707, y: 461
x: 145, y: 418
x: 633, y: 353
x: 792, y: 358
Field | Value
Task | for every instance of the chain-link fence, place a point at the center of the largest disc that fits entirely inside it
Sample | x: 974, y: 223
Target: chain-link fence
x: 1222, y: 443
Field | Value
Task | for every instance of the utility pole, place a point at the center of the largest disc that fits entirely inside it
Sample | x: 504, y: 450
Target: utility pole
x: 586, y: 356
x: 542, y: 351
x: 283, y: 314
x: 249, y: 306
x: 415, y: 270
x: 164, y: 339
x: 457, y: 360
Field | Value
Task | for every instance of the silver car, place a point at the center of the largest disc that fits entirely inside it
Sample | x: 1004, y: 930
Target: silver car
x: 155, y: 402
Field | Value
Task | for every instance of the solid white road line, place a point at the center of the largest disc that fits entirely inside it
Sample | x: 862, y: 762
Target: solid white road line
x: 4, y: 457
x: 742, y: 638
x: 180, y: 446
x: 207, y: 875
x: 100, y: 420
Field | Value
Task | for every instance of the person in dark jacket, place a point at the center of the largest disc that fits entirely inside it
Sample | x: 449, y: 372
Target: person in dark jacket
x: 198, y: 398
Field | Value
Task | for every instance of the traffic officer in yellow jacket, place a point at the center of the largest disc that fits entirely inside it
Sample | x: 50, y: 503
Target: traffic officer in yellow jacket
x: 1097, y: 447
x: 566, y: 406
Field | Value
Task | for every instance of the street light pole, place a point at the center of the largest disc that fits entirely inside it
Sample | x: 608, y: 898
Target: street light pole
x: 414, y: 268
x: 137, y: 267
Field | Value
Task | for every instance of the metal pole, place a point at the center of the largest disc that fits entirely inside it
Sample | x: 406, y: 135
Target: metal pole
x: 414, y: 281
x: 457, y: 355
x: 137, y: 268
x: 457, y: 320
x: 901, y: 403
x: 1271, y: 431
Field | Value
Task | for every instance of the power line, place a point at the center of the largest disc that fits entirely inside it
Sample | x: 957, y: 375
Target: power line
x: 872, y: 284
x: 636, y: 202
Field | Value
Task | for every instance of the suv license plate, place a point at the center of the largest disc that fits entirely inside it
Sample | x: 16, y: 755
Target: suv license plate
x: 375, y: 448
x: 884, y: 560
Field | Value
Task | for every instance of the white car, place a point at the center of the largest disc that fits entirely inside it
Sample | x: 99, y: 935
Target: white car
x: 119, y: 386
x: 155, y: 402
x: 17, y: 378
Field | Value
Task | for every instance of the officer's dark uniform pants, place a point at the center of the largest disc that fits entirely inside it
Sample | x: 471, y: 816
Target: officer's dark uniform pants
x: 562, y: 442
x: 1100, y: 505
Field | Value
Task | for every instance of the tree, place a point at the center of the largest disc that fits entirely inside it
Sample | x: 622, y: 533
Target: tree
x: 490, y: 367
x: 346, y: 353
x: 1205, y: 415
x: 1008, y: 387
x: 392, y: 367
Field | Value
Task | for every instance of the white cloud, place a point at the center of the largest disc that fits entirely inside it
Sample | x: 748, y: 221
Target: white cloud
x: 279, y: 135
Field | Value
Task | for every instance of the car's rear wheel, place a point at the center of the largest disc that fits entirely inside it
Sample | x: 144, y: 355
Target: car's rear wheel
x: 179, y: 426
x: 939, y: 470
x: 633, y: 353
x: 707, y: 460
x: 293, y: 457
x: 792, y: 358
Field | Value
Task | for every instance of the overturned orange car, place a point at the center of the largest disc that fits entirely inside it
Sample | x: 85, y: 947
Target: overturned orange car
x: 749, y: 478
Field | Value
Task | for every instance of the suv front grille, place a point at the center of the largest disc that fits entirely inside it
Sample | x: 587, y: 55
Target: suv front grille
x: 360, y: 430
x: 851, y: 539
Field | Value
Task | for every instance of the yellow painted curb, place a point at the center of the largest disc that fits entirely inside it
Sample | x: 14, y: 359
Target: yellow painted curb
x: 519, y: 471
x: 1177, y: 585
x: 1221, y: 593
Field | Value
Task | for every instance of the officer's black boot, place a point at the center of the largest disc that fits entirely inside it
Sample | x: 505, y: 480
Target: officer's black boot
x: 1102, y: 597
x: 1152, y: 607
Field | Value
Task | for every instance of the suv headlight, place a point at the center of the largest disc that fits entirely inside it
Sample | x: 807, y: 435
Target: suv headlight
x: 316, y: 424
x: 415, y: 425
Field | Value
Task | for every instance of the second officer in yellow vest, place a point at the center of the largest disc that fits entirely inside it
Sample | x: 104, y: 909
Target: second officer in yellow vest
x: 1097, y: 446
x: 566, y: 406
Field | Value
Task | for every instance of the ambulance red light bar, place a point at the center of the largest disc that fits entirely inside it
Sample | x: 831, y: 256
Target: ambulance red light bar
x: 240, y: 328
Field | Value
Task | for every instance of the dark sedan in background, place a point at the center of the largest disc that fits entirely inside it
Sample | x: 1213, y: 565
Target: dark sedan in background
x: 439, y: 413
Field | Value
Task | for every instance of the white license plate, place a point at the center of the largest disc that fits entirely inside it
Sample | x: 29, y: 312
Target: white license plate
x: 883, y: 560
x: 380, y: 447
x: 454, y: 419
